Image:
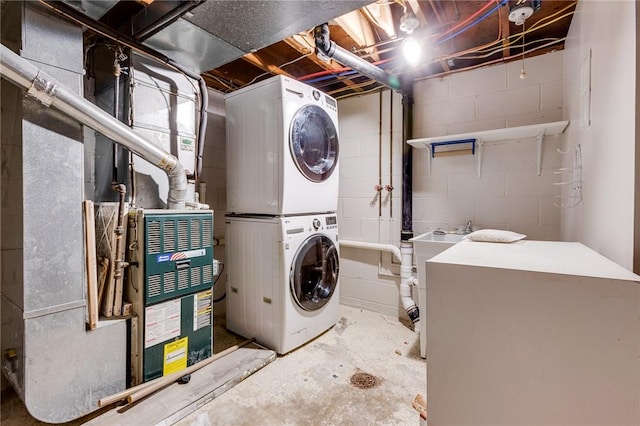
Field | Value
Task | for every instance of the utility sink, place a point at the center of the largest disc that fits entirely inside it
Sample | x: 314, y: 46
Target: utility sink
x: 437, y: 237
x: 426, y: 246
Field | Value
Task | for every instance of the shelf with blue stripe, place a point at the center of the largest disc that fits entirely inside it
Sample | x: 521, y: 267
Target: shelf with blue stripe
x: 471, y: 143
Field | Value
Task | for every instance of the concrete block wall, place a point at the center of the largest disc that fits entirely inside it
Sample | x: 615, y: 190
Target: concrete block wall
x: 370, y: 155
x: 509, y: 194
x: 214, y: 169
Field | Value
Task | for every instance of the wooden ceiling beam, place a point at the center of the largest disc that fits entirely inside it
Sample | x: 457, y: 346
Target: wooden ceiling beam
x: 417, y: 10
x: 503, y: 16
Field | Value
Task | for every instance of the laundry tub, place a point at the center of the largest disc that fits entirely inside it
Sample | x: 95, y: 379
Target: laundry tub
x: 426, y: 246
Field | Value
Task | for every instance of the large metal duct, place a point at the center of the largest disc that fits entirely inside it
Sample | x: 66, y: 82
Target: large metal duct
x: 58, y: 367
x: 51, y: 93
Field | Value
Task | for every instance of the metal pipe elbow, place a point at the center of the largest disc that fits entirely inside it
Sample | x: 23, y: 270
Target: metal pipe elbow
x: 177, y: 187
x: 323, y: 41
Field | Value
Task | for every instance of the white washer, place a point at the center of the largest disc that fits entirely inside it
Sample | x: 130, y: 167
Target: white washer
x: 282, y: 149
x: 282, y: 278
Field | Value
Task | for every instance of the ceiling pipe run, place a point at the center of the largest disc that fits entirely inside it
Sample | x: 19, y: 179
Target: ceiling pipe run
x: 329, y: 49
x: 49, y: 92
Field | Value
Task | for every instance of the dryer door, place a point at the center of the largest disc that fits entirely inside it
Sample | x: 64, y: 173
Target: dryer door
x: 314, y: 272
x: 313, y: 141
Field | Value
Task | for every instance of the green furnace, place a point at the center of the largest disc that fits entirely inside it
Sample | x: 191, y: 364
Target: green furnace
x: 171, y: 276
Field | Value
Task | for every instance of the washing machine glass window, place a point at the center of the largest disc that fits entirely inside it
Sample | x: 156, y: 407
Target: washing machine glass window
x: 314, y: 143
x: 314, y: 272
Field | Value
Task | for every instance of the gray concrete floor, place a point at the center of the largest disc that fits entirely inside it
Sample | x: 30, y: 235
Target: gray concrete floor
x: 312, y: 386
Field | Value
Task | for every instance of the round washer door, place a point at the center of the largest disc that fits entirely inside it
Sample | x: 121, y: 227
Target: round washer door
x: 313, y: 140
x: 314, y: 272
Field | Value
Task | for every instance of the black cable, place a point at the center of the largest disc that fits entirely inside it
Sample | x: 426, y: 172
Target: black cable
x: 221, y: 298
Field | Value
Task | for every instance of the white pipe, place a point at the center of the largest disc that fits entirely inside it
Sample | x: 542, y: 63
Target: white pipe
x: 49, y: 92
x: 405, y: 256
x: 389, y: 248
x: 406, y: 278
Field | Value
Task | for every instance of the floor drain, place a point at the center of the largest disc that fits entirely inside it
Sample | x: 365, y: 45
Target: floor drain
x: 363, y: 380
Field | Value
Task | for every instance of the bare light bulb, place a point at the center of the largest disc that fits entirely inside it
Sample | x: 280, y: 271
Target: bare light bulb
x: 523, y: 74
x: 412, y: 51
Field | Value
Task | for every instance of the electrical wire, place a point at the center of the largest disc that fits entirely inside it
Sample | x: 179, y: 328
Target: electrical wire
x: 343, y: 72
x: 458, y: 25
x: 499, y: 49
x: 278, y: 67
x: 227, y: 84
x: 459, y: 55
x: 329, y: 74
x: 551, y: 43
x: 482, y: 49
x: 472, y: 24
x: 499, y: 60
x: 356, y: 86
x: 534, y: 27
x: 468, y: 19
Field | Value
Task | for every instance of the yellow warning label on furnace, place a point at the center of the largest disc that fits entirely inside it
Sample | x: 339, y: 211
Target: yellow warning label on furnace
x: 175, y: 356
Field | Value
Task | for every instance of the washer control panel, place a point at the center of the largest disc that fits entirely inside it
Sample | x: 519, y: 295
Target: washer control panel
x: 301, y: 224
x: 332, y: 222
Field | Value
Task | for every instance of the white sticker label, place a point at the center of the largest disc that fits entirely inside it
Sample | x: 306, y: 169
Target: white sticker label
x: 161, y: 322
x: 202, y: 308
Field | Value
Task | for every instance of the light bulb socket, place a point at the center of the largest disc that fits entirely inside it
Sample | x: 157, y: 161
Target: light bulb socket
x: 408, y: 23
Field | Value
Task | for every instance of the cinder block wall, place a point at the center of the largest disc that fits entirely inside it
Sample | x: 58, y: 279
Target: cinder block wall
x: 509, y: 195
x: 370, y: 155
x: 214, y: 168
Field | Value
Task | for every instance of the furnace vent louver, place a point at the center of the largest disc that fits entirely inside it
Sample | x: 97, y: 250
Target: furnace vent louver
x: 169, y: 239
x: 207, y: 233
x: 179, y: 255
x: 153, y: 237
x: 207, y: 274
x: 195, y: 234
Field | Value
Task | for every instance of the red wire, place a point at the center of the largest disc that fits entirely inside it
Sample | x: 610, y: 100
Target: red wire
x: 470, y: 18
x: 321, y: 73
x: 450, y: 30
x: 335, y: 71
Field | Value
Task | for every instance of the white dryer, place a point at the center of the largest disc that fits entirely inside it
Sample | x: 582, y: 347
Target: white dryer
x: 282, y: 149
x: 282, y: 278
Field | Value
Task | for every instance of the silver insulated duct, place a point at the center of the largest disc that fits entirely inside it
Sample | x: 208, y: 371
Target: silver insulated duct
x: 58, y: 367
x: 53, y: 94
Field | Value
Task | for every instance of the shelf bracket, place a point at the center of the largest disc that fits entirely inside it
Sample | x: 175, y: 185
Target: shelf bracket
x: 539, y: 140
x: 480, y: 149
x: 430, y: 159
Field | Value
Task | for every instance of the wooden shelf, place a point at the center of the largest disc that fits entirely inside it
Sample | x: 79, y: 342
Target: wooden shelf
x: 538, y: 131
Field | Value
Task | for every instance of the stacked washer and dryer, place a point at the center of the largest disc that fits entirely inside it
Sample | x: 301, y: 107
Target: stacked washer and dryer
x: 282, y: 195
